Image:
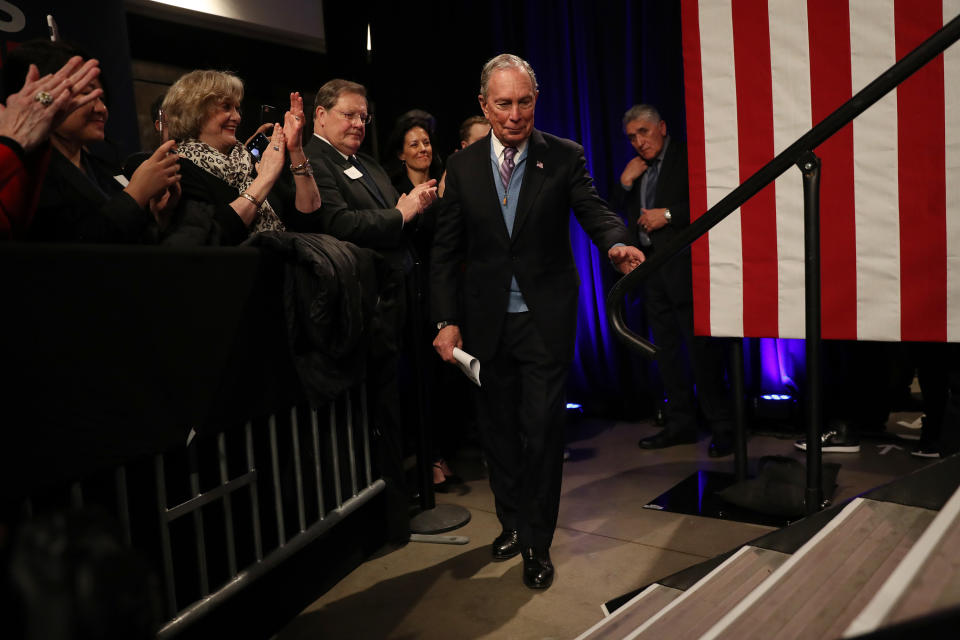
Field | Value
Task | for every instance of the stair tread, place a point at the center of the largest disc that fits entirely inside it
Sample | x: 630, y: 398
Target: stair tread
x: 937, y: 584
x: 927, y: 580
x: 833, y: 577
x: 715, y: 594
x: 632, y: 614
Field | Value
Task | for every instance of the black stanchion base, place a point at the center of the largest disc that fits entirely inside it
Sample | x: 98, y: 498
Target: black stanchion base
x: 443, y: 517
x: 697, y: 495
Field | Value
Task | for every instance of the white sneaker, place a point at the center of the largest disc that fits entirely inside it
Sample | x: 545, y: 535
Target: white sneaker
x: 833, y: 442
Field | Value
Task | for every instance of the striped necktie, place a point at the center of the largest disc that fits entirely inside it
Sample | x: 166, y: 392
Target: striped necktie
x: 506, y: 167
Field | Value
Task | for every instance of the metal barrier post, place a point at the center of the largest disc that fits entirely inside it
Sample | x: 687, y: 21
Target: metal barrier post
x: 809, y: 164
x: 317, y: 468
x: 739, y: 409
x: 227, y: 505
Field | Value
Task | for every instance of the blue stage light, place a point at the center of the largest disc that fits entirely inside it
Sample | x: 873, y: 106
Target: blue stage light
x: 778, y: 397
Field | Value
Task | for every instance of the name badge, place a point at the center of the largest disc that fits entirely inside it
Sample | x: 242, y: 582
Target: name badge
x: 352, y: 172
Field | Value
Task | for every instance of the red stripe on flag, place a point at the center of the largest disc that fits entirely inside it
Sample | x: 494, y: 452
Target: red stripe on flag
x: 696, y: 162
x: 831, y: 84
x: 920, y: 141
x: 758, y: 222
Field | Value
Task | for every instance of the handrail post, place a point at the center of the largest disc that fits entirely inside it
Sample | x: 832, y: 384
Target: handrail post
x: 739, y: 409
x: 809, y: 165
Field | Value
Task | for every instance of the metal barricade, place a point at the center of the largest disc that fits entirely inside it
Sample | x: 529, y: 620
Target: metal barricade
x: 230, y: 506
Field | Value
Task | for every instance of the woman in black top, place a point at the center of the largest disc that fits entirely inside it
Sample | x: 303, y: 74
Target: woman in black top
x: 412, y: 161
x: 81, y: 199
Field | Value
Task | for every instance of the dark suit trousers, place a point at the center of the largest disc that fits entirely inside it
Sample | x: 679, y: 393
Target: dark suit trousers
x: 686, y: 361
x: 521, y: 413
x: 950, y: 434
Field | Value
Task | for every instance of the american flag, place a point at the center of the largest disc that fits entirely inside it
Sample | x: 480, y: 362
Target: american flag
x: 760, y: 73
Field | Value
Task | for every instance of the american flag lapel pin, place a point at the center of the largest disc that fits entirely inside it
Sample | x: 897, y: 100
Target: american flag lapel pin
x: 539, y: 165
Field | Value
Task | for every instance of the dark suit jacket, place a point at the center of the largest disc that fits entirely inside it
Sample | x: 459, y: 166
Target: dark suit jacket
x: 72, y: 208
x: 471, y: 232
x: 672, y: 192
x: 349, y: 210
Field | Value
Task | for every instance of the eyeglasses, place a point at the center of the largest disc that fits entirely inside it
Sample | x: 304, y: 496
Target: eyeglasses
x: 363, y: 118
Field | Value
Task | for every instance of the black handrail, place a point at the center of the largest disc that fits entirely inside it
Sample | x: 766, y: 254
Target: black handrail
x: 931, y: 48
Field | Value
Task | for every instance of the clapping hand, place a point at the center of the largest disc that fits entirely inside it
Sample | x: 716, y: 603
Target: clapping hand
x: 41, y: 105
x: 271, y: 162
x: 420, y: 197
x: 155, y: 175
x: 426, y: 192
x: 293, y: 121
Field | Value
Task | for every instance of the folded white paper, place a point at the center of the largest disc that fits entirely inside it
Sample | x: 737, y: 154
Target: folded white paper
x: 468, y: 364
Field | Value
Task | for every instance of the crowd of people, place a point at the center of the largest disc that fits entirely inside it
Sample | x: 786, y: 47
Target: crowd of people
x: 481, y: 251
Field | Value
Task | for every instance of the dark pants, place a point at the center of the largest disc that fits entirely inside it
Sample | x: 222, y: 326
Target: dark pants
x: 950, y: 433
x: 521, y: 413
x: 931, y: 360
x: 686, y: 361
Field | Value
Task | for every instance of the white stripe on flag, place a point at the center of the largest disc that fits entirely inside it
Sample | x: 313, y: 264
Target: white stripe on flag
x: 951, y: 95
x: 721, y: 149
x: 873, y: 51
x: 790, y: 69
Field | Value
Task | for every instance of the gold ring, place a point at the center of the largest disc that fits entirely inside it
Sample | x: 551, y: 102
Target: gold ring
x: 44, y: 98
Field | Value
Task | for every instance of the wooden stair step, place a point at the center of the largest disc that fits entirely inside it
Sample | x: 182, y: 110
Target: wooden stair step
x: 632, y: 614
x: 693, y: 611
x: 819, y: 590
x: 927, y: 580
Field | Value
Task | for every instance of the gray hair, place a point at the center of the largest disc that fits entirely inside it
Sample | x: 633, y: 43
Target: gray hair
x: 641, y: 112
x: 501, y: 62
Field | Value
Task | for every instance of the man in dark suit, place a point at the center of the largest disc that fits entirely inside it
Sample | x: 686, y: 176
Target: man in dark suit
x: 503, y: 271
x: 654, y: 191
x: 359, y: 202
x: 360, y: 205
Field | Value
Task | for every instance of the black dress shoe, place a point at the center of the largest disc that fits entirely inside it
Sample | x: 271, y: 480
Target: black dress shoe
x: 506, y: 545
x: 537, y: 569
x: 666, y: 439
x: 721, y: 445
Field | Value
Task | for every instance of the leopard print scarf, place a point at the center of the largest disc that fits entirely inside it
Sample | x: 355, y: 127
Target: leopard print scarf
x: 234, y: 168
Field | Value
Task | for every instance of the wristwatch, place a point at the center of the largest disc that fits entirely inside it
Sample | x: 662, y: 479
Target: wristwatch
x: 666, y: 214
x: 442, y: 324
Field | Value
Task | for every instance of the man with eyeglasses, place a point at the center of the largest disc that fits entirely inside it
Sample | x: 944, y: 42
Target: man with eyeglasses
x: 653, y: 190
x: 360, y: 205
x: 502, y: 269
x: 359, y: 202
